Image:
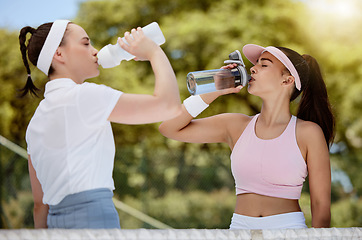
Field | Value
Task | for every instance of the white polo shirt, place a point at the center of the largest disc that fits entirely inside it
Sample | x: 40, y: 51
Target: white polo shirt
x: 70, y: 141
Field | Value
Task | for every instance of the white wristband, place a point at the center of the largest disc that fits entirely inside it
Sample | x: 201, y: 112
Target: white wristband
x: 195, y: 105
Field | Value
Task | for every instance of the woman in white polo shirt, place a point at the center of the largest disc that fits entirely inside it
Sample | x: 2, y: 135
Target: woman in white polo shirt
x: 70, y: 140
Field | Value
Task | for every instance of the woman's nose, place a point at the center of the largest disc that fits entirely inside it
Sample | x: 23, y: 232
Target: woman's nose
x: 252, y: 70
x: 95, y: 51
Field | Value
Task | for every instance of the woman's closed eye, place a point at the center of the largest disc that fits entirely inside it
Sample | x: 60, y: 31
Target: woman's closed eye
x: 86, y: 41
x: 265, y: 62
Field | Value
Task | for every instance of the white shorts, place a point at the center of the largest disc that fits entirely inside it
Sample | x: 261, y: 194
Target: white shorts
x: 279, y: 221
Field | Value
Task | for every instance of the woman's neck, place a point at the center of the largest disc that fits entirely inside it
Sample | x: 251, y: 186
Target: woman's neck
x: 275, y: 111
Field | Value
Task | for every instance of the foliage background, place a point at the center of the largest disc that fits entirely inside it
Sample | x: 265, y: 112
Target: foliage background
x: 190, y: 185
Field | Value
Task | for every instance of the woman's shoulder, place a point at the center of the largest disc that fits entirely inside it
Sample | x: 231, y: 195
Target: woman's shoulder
x: 310, y: 138
x: 308, y: 126
x: 92, y: 90
x: 91, y: 85
x: 309, y: 131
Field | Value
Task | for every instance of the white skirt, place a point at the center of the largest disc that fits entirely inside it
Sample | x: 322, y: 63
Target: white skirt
x: 280, y: 221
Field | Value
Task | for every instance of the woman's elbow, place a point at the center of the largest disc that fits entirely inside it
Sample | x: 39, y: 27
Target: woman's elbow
x: 163, y: 129
x: 168, y: 129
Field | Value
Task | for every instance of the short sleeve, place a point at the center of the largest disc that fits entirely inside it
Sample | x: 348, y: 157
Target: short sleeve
x: 96, y: 102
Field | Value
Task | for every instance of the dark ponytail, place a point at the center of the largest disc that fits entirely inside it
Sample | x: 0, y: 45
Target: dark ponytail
x: 29, y: 86
x: 32, y: 51
x: 314, y: 104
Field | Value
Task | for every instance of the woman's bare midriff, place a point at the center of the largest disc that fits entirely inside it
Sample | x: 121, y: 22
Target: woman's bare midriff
x: 254, y: 205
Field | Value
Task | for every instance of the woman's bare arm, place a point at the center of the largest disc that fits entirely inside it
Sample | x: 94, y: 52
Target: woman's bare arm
x: 40, y: 210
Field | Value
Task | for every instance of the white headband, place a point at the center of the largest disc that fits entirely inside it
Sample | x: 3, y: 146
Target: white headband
x: 51, y: 44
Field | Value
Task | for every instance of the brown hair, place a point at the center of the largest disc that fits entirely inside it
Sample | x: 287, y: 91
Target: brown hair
x: 32, y: 51
x: 314, y: 104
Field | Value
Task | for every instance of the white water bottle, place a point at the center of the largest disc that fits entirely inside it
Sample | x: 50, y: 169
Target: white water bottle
x: 112, y: 55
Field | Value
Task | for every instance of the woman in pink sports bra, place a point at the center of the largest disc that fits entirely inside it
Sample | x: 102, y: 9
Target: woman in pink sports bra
x: 273, y: 151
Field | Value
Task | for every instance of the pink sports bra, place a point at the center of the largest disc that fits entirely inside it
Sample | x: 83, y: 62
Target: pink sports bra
x: 273, y: 167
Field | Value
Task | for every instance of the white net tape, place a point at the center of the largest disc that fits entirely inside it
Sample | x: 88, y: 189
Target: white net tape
x: 182, y: 234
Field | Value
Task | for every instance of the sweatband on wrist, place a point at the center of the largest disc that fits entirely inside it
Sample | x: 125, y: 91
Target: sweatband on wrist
x: 51, y: 44
x: 195, y: 105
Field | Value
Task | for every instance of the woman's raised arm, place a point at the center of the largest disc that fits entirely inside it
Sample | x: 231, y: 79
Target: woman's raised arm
x: 165, y: 102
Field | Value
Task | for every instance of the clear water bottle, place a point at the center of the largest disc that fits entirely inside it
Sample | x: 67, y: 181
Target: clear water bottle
x: 112, y: 55
x: 217, y: 79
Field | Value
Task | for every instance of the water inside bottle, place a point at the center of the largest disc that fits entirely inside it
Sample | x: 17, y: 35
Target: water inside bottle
x: 211, y: 80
